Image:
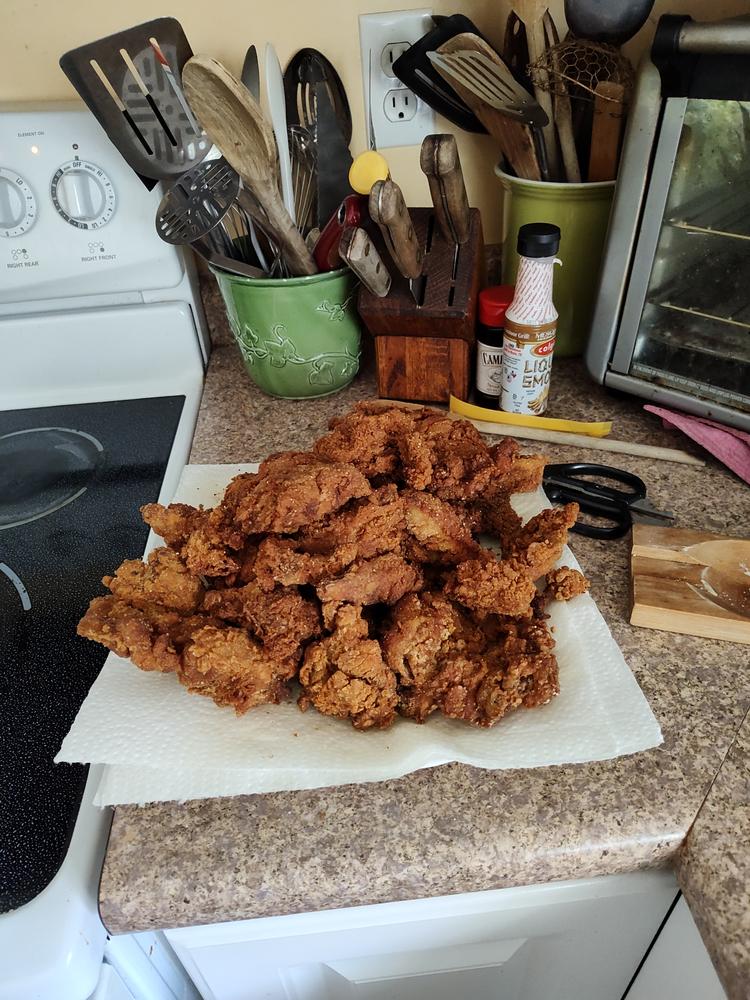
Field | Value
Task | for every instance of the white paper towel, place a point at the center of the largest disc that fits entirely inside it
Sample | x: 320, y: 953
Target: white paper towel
x: 162, y: 743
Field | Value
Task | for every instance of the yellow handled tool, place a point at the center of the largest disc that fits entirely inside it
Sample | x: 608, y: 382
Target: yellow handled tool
x: 590, y: 429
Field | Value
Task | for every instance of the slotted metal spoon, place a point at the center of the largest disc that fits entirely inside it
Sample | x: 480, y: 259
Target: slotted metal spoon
x: 492, y: 82
x: 206, y: 208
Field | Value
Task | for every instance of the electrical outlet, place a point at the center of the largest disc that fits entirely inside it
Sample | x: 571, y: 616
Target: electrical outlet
x: 389, y: 55
x: 394, y: 115
x: 400, y: 105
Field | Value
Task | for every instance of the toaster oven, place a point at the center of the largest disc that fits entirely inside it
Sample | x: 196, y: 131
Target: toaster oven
x: 671, y: 321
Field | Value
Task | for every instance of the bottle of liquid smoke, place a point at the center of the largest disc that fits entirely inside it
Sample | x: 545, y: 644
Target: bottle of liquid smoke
x: 531, y: 322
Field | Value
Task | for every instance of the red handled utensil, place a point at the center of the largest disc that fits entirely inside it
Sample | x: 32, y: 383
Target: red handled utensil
x: 352, y: 212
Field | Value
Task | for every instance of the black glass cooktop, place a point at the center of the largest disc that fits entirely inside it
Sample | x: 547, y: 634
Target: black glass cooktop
x: 71, y: 481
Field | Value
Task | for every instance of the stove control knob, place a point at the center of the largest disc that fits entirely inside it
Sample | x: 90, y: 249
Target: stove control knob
x: 17, y: 204
x: 83, y: 194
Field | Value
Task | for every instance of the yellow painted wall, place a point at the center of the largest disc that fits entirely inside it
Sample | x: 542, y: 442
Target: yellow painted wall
x: 36, y: 32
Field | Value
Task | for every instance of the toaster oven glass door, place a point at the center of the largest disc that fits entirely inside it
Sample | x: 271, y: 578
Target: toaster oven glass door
x: 686, y: 320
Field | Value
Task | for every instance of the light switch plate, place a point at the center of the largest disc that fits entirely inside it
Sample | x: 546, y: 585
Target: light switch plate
x: 394, y: 115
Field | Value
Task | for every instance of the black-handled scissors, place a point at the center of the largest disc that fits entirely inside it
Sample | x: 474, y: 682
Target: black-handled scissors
x: 569, y: 482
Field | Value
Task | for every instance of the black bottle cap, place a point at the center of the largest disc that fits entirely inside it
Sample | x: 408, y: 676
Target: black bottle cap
x: 538, y: 239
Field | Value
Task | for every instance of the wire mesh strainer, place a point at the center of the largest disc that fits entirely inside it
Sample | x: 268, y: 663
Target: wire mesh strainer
x: 577, y: 66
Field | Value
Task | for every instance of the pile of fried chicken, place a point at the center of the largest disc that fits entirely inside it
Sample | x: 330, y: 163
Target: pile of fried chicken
x: 355, y: 569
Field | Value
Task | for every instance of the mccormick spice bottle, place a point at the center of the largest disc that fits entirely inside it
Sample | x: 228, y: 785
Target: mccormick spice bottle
x: 492, y: 305
x: 531, y: 322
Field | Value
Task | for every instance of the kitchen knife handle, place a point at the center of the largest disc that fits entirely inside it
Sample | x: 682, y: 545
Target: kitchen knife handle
x: 388, y: 209
x: 441, y: 165
x: 357, y: 249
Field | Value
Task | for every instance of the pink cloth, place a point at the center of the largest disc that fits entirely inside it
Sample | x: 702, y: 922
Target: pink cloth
x: 729, y: 445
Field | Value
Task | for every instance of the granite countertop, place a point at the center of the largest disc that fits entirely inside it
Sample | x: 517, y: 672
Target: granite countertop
x: 171, y: 865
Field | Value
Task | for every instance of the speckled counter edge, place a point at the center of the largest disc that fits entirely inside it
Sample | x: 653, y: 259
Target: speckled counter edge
x: 713, y: 868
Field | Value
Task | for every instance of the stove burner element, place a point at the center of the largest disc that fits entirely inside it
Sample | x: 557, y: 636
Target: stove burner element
x: 42, y: 469
x: 18, y: 584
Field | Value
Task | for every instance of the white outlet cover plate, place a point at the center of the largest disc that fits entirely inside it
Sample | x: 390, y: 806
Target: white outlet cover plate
x: 376, y: 31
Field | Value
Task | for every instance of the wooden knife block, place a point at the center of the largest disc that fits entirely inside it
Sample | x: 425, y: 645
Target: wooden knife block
x: 424, y: 353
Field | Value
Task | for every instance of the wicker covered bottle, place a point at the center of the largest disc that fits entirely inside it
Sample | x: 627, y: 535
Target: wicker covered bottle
x: 531, y: 322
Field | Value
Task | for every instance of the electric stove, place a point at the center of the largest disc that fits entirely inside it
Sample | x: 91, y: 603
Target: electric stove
x: 102, y: 353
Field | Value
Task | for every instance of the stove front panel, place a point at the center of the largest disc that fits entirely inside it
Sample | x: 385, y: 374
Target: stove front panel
x: 81, y: 472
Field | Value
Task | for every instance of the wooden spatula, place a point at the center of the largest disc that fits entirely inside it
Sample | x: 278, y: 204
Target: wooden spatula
x: 235, y: 123
x: 531, y: 13
x: 516, y: 140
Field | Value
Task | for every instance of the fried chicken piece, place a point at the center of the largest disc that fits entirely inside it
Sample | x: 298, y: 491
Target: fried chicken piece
x: 497, y: 518
x: 128, y: 632
x: 237, y: 489
x: 565, y: 583
x: 151, y: 637
x: 448, y: 458
x: 504, y: 454
x: 417, y: 645
x: 368, y: 436
x: 344, y: 675
x: 174, y: 523
x: 203, y: 538
x: 288, y: 498
x: 524, y: 475
x: 231, y: 668
x: 445, y: 661
x: 382, y: 579
x: 283, y: 462
x: 522, y: 673
x: 280, y: 561
x: 491, y: 587
x: 439, y: 534
x: 373, y: 525
x: 468, y: 515
x: 163, y: 580
x: 282, y: 620
x: 540, y: 542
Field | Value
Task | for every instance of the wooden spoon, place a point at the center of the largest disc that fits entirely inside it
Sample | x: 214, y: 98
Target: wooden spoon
x: 234, y: 122
x: 531, y: 14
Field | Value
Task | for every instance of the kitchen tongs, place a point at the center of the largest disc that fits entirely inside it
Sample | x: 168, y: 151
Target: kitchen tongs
x: 131, y: 82
x: 492, y: 82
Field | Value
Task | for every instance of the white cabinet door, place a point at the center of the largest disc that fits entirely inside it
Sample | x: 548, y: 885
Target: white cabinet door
x: 561, y: 941
x: 678, y: 966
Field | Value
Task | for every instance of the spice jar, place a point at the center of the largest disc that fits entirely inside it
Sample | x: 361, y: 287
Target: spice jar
x: 493, y: 303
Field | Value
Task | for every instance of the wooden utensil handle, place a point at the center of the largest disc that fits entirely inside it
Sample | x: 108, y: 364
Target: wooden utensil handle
x: 296, y: 254
x: 605, y: 131
x: 441, y: 165
x: 515, y: 139
x: 388, y: 209
x: 357, y: 249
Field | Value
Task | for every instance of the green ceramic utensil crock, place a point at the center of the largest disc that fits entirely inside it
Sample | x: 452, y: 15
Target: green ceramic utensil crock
x: 582, y: 213
x: 299, y: 337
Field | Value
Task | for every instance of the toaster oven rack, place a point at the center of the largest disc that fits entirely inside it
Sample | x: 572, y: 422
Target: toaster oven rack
x: 718, y: 211
x: 681, y: 352
x: 701, y: 287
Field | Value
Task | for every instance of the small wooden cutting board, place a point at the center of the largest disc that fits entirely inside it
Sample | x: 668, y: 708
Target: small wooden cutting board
x: 691, y: 582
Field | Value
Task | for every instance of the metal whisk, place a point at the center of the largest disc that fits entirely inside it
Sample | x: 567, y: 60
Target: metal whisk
x: 304, y: 157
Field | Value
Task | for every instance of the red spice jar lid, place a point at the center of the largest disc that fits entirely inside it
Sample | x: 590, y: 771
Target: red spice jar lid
x: 493, y: 302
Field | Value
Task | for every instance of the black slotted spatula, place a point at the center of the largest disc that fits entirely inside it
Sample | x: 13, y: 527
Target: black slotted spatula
x: 131, y: 82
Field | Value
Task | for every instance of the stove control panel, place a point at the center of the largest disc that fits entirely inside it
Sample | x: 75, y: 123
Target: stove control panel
x: 17, y: 204
x: 75, y: 220
x: 83, y: 194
